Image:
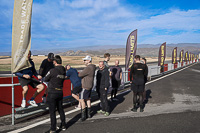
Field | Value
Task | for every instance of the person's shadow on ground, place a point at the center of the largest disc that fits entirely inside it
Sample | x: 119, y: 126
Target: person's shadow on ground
x: 95, y: 108
x: 71, y: 122
x: 148, y: 95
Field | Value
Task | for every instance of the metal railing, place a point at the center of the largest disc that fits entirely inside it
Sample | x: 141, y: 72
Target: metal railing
x: 153, y: 70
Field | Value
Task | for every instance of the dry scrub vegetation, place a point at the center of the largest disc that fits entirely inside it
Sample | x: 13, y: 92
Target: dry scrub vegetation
x: 74, y: 61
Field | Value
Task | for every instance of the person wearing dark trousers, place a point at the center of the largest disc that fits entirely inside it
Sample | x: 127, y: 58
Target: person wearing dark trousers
x: 137, y: 74
x: 102, y: 85
x: 47, y: 64
x: 55, y: 78
x: 116, y: 77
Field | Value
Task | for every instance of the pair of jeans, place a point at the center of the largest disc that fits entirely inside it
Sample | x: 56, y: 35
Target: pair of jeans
x: 55, y: 101
x: 104, y: 100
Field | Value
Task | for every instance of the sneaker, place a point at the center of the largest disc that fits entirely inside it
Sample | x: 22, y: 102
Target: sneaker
x: 51, y: 131
x: 77, y: 107
x: 101, y: 111
x: 44, y: 99
x: 62, y: 128
x: 107, y: 114
x: 23, y: 105
x: 33, y: 103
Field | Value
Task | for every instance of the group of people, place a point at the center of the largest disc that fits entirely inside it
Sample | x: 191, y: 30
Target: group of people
x: 52, y: 74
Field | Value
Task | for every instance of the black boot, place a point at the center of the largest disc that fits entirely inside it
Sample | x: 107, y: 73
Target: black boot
x: 88, y: 112
x: 141, y: 108
x: 134, y: 109
x: 83, y: 114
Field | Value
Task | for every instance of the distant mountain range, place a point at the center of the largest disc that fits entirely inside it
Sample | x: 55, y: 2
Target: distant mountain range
x: 143, y: 50
x: 147, y: 50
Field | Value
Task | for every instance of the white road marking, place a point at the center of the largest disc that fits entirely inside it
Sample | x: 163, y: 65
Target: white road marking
x: 195, y: 70
x: 96, y: 102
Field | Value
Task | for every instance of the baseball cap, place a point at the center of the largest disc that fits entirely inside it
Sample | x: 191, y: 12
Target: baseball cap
x: 87, y: 58
x: 51, y: 56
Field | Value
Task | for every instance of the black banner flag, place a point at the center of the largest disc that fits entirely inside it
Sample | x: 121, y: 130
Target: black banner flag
x: 131, y: 47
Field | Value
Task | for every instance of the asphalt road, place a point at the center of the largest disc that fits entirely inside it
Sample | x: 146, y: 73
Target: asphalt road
x: 173, y: 105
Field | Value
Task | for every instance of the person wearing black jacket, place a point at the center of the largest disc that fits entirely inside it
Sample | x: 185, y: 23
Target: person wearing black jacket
x: 47, y: 64
x: 56, y: 77
x: 26, y: 78
x: 137, y: 79
x: 102, y: 87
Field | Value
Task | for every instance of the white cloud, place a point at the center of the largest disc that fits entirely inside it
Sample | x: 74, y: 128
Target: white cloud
x: 105, y: 22
x: 174, y: 20
x: 186, y: 37
x: 97, y: 4
x: 88, y: 22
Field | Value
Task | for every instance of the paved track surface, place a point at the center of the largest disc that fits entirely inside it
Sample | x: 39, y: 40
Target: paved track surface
x: 172, y: 105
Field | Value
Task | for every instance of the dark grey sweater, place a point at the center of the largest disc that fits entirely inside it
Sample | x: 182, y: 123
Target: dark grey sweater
x: 102, y: 79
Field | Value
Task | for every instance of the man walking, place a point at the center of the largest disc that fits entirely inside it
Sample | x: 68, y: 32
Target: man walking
x: 72, y: 74
x: 26, y: 78
x: 56, y: 77
x: 116, y: 76
x: 87, y: 76
x: 137, y: 74
x: 47, y: 64
x: 102, y: 86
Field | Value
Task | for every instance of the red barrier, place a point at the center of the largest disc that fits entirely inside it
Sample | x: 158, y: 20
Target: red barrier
x: 175, y: 65
x: 165, y: 67
x: 181, y: 63
x: 6, y: 94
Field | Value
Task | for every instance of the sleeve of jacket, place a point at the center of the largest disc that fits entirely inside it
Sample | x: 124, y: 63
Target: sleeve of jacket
x: 33, y: 70
x: 48, y: 76
x: 146, y: 71
x: 96, y: 77
x: 41, y: 67
x: 68, y: 73
x: 107, y: 84
x: 131, y: 73
x: 84, y: 73
x: 19, y: 74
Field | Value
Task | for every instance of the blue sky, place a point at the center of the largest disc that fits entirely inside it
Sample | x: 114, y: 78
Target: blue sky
x: 74, y: 23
